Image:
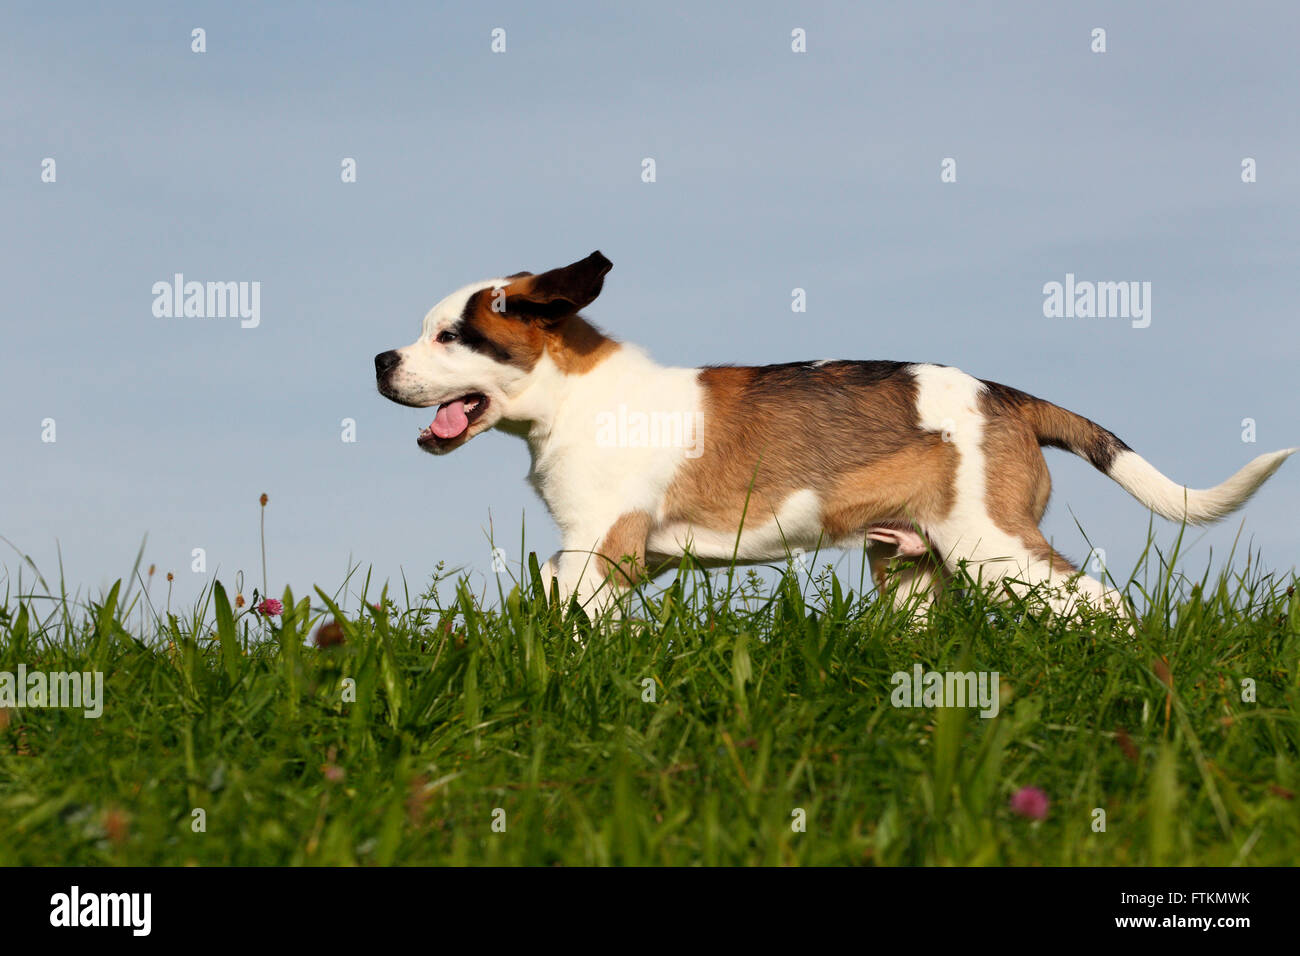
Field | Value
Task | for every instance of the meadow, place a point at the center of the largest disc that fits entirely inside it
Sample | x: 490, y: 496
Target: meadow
x: 723, y: 720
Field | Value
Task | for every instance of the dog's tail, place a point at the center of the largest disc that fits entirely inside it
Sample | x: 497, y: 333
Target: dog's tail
x: 1061, y: 428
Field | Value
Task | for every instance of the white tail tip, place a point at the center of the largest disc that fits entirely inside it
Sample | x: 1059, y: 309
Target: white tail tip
x: 1195, y: 506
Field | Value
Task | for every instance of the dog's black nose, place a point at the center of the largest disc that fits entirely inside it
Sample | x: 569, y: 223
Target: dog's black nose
x: 386, y: 361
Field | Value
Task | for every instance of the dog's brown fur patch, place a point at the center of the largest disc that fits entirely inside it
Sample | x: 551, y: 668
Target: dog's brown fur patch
x: 834, y: 428
x: 1057, y: 427
x: 621, y: 555
x: 574, y: 344
x: 503, y: 337
x: 913, y: 485
x: 1017, y: 481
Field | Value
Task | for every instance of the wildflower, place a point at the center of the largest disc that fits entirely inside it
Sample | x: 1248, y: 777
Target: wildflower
x: 330, y: 635
x: 264, y: 500
x: 332, y: 771
x: 270, y: 607
x: 116, y: 826
x: 1030, y: 802
x: 239, y: 600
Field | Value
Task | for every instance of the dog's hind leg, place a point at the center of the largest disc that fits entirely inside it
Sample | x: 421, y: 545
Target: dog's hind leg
x: 1071, y: 587
x: 1027, y: 568
x: 1000, y: 492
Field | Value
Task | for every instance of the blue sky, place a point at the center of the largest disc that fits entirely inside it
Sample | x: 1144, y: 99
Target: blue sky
x: 775, y: 170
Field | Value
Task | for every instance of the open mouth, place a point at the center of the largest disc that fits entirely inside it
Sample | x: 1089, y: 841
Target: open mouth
x: 454, y: 418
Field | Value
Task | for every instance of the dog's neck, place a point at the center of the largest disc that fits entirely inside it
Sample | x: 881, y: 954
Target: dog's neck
x: 572, y: 349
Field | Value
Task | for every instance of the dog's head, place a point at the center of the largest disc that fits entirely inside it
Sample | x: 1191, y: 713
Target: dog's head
x: 479, y: 347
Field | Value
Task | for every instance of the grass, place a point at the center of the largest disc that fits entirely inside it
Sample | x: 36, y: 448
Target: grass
x: 517, y: 734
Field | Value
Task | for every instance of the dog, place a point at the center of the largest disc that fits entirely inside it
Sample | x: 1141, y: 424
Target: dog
x: 926, y: 467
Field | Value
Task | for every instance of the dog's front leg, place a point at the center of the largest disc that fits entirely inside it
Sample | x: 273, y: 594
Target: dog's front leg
x: 599, y: 566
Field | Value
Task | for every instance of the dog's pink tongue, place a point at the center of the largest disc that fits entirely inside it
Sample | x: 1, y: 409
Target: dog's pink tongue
x: 451, y: 420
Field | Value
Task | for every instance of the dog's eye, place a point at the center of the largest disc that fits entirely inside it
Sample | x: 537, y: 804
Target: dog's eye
x: 446, y: 335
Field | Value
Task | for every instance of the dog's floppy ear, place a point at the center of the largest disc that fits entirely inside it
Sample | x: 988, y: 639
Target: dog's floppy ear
x: 560, y: 292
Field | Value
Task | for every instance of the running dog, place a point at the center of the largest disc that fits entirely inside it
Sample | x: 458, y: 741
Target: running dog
x: 926, y: 467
